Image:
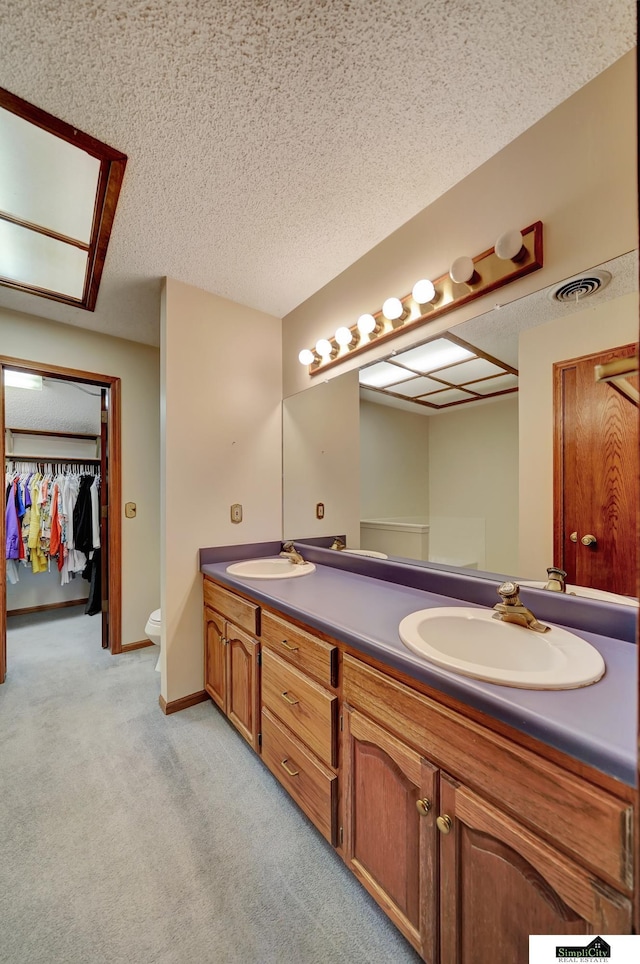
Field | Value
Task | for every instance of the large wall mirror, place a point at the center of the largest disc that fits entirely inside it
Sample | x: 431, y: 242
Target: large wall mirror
x: 471, y: 484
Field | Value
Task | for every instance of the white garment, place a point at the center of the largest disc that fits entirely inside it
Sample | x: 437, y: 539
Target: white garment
x: 95, y: 513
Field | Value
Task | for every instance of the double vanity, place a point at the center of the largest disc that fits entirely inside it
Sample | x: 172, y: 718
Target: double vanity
x: 474, y: 812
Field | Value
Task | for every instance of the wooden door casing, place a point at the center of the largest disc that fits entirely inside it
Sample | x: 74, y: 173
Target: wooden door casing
x: 388, y: 845
x: 595, y: 476
x: 242, y: 689
x: 500, y: 883
x: 215, y: 663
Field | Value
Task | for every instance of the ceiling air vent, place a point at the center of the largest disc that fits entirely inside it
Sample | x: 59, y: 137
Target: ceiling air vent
x: 582, y: 286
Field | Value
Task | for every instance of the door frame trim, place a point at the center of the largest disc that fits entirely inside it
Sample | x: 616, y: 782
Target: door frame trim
x: 113, y: 386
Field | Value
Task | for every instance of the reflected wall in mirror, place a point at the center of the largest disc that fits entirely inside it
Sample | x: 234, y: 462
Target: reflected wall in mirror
x: 469, y: 486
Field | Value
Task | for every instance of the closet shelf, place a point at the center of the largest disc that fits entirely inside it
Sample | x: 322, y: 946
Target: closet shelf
x: 76, y: 459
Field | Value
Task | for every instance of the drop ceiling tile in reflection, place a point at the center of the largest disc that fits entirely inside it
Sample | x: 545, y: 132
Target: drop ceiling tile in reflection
x: 469, y: 370
x: 499, y: 384
x: 417, y: 386
x: 433, y: 355
x: 449, y: 395
x: 383, y: 374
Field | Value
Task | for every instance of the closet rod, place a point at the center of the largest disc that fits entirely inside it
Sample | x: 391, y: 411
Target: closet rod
x: 38, y: 431
x: 78, y: 459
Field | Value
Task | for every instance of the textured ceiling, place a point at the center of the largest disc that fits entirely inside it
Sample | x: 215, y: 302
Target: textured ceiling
x: 271, y: 143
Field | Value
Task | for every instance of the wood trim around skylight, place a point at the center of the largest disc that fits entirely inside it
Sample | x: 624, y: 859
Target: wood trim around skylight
x: 111, y: 174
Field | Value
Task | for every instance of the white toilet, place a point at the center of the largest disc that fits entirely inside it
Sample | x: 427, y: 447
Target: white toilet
x: 153, y: 630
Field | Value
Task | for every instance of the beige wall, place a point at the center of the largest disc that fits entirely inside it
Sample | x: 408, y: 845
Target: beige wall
x: 595, y: 329
x: 575, y: 170
x: 473, y: 474
x: 34, y: 339
x: 321, y: 460
x: 394, y: 462
x: 222, y: 443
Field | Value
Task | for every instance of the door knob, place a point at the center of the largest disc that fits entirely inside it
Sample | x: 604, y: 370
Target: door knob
x: 444, y: 823
x: 423, y: 806
x: 589, y: 540
x: 574, y: 536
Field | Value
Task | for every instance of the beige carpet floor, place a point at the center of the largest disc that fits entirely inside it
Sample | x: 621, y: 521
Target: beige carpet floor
x: 128, y: 836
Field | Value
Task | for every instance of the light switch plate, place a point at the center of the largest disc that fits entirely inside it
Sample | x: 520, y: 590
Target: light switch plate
x: 236, y: 512
x: 130, y: 509
x: 319, y: 510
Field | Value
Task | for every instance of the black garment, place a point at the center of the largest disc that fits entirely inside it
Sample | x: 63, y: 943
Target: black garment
x: 83, y: 517
x: 93, y: 573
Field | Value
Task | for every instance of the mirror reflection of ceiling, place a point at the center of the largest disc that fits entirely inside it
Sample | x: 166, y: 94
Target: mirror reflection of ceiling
x: 290, y: 137
x: 456, y: 377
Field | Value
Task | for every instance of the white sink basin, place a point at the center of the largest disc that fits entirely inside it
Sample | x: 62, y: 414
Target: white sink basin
x: 587, y: 593
x: 274, y: 567
x: 373, y: 553
x: 473, y: 643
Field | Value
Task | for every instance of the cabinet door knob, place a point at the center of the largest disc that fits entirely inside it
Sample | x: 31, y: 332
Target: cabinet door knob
x: 292, y: 773
x: 287, y: 645
x: 423, y: 806
x: 224, y: 640
x: 574, y: 536
x: 444, y: 823
x: 589, y: 540
x: 289, y: 699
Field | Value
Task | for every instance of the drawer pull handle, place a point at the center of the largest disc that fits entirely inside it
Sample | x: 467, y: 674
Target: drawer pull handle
x: 444, y: 823
x: 289, y: 699
x: 287, y: 645
x: 423, y: 806
x: 292, y: 773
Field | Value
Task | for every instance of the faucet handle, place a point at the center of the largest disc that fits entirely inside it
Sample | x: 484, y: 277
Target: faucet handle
x: 509, y: 592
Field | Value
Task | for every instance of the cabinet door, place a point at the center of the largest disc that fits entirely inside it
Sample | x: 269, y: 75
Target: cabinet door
x: 390, y: 835
x: 215, y: 673
x: 243, y: 697
x: 500, y: 883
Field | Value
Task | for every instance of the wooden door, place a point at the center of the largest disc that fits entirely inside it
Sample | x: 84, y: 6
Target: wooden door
x: 595, y: 476
x: 389, y: 845
x: 500, y: 883
x: 243, y: 697
x: 215, y: 662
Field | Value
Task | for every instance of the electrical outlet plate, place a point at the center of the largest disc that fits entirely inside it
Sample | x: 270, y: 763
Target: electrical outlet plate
x: 236, y: 512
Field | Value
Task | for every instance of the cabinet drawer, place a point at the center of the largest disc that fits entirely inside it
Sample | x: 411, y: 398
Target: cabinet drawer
x: 306, y: 708
x: 244, y: 614
x: 312, y: 655
x: 582, y: 819
x: 313, y: 786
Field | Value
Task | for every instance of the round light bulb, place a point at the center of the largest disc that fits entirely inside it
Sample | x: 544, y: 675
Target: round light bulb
x: 392, y: 309
x: 366, y: 324
x: 462, y: 270
x: 306, y: 357
x: 509, y: 245
x: 324, y: 349
x: 423, y: 291
x: 344, y: 336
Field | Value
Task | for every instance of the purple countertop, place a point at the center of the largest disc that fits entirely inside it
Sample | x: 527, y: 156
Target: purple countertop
x: 595, y: 724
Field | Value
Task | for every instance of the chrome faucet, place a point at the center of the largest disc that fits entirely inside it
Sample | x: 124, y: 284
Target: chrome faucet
x: 511, y: 610
x: 290, y: 552
x: 338, y: 543
x: 556, y: 579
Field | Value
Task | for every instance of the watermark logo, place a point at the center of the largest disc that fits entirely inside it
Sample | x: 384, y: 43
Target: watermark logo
x: 598, y: 949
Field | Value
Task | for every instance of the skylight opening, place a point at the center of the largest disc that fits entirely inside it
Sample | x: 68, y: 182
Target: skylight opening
x: 59, y: 189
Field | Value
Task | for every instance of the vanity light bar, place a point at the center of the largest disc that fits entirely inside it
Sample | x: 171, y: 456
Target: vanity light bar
x: 515, y: 254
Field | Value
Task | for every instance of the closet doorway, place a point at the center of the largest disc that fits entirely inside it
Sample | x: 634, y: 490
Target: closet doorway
x: 106, y: 459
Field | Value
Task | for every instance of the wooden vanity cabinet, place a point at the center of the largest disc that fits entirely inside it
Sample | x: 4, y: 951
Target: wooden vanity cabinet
x: 389, y: 830
x: 499, y: 883
x: 468, y: 840
x: 300, y: 719
x: 231, y: 658
x: 488, y: 876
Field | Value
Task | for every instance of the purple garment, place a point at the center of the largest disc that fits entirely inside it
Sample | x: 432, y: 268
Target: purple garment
x: 13, y: 540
